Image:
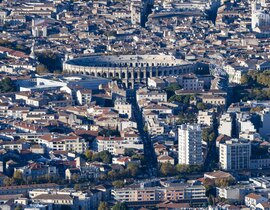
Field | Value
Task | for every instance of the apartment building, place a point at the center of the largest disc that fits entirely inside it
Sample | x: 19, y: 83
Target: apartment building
x: 205, y: 118
x: 123, y: 108
x: 226, y: 124
x: 184, y: 191
x: 112, y: 144
x: 84, y: 96
x: 151, y: 95
x: 63, y: 143
x: 190, y: 82
x: 235, y: 154
x: 190, y: 144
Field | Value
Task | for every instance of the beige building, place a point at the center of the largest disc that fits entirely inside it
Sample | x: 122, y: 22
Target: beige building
x: 64, y: 143
x: 158, y: 96
x: 176, y: 193
x: 214, y: 100
x: 123, y: 107
x: 205, y: 118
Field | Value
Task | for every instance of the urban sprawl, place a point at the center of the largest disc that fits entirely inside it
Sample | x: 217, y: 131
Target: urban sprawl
x: 134, y: 104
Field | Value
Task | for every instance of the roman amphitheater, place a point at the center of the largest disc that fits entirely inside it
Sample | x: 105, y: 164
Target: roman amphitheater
x: 129, y: 68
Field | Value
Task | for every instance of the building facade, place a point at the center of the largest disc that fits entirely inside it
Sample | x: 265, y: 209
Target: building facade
x: 190, y: 145
x: 129, y: 68
x: 235, y: 154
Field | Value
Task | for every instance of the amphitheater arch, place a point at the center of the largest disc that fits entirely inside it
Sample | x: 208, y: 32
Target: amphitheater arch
x: 129, y: 75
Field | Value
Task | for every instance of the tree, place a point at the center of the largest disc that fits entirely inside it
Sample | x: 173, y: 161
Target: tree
x: 167, y: 169
x: 106, y: 156
x: 244, y: 79
x: 17, y: 177
x: 181, y: 168
x: 19, y: 207
x: 225, y: 182
x: 186, y: 118
x: 8, y: 181
x: 51, y: 60
x: 170, y: 90
x: 41, y: 69
x: 200, y: 106
x: 88, y: 154
x: 77, y: 187
x: 7, y: 85
x: 130, y: 152
x: 118, y: 184
x: 112, y: 175
x: 108, y: 132
x: 133, y: 169
x: 187, y: 169
x: 75, y: 178
x: 120, y: 206
x: 103, y: 206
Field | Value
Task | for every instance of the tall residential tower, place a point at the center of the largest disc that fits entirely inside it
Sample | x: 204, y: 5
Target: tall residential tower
x: 190, y: 144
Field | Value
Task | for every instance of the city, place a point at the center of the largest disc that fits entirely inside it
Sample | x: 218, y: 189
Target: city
x: 134, y: 104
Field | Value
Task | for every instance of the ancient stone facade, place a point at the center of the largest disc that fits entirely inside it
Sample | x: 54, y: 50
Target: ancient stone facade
x: 129, y: 68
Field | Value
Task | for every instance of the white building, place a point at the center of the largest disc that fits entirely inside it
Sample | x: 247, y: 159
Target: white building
x: 115, y: 144
x: 235, y: 154
x: 225, y: 124
x: 244, y: 123
x: 190, y: 145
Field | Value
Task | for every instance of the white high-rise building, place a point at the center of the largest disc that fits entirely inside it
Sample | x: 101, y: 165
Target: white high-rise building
x: 235, y: 154
x: 190, y: 144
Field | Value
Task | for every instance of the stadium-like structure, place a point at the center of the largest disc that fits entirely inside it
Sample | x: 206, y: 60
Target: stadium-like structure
x: 129, y: 68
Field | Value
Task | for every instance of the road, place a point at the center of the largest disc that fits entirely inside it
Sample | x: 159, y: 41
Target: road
x: 212, y: 150
x: 149, y: 152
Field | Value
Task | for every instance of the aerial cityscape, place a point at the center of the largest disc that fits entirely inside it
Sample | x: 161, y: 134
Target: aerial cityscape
x: 134, y: 104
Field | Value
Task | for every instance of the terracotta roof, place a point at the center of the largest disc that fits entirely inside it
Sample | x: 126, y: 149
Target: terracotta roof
x: 219, y: 174
x: 253, y: 196
x: 164, y: 157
